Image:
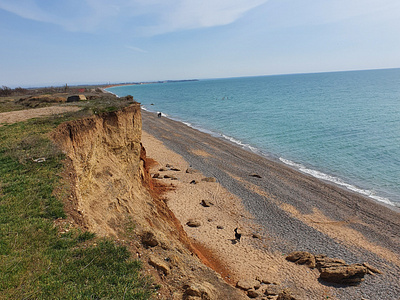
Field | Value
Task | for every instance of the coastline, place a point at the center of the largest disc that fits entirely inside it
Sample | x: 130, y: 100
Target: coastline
x: 288, y: 209
x: 330, y: 179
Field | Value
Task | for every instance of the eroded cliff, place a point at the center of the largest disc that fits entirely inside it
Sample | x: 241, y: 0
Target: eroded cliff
x: 113, y: 195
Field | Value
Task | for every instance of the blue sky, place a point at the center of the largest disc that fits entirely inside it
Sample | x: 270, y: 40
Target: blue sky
x: 54, y: 42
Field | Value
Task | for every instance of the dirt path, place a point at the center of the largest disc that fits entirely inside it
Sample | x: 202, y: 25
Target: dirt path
x: 23, y: 115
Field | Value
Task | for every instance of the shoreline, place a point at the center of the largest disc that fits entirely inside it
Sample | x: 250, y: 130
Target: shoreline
x: 290, y: 211
x: 299, y: 167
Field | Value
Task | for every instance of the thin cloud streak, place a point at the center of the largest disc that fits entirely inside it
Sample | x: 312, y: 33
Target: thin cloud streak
x: 160, y: 17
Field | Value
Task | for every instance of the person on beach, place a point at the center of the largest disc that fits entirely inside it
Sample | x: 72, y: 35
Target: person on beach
x: 159, y: 114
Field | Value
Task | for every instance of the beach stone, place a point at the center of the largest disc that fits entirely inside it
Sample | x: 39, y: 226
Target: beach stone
x: 209, y: 179
x: 162, y: 169
x: 256, y: 236
x: 346, y: 274
x: 193, y: 223
x: 220, y: 227
x: 194, y: 182
x: 252, y: 293
x: 206, y: 203
x: 159, y: 264
x: 175, y: 169
x: 191, y: 171
x: 156, y: 175
x: 255, y: 175
x: 149, y: 239
x: 247, y: 284
x: 302, y: 258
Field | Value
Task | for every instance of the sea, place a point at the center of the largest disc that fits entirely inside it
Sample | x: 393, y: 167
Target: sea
x: 341, y: 127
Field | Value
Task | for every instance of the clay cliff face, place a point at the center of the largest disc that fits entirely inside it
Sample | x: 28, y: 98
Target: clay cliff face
x: 112, y: 187
x: 105, y: 152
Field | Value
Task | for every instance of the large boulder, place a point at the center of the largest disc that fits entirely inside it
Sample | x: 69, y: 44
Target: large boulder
x: 346, y: 274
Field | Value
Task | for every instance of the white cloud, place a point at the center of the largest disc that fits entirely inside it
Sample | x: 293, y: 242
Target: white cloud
x: 149, y: 16
x: 137, y: 49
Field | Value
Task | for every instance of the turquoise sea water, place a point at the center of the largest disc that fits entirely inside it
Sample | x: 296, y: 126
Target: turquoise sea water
x: 343, y: 127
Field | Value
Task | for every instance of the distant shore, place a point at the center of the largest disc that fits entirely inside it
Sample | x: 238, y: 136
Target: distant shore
x: 291, y: 211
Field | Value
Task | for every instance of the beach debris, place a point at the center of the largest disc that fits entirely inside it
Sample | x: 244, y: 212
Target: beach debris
x: 149, y: 239
x: 206, y: 203
x: 193, y: 223
x: 209, y: 179
x: 333, y: 269
x: 191, y: 171
x: 159, y: 264
x: 255, y: 175
x: 237, y: 234
x: 39, y: 160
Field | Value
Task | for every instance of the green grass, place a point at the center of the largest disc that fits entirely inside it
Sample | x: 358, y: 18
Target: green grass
x: 37, y: 261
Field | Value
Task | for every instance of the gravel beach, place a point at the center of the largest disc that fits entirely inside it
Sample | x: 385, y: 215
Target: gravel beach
x: 279, y: 210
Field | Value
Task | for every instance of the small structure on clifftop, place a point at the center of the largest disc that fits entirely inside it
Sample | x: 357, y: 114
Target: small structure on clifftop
x: 76, y: 98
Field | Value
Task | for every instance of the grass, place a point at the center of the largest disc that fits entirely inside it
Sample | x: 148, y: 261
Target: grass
x: 37, y: 260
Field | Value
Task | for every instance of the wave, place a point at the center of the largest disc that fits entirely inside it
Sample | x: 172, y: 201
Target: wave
x: 337, y: 181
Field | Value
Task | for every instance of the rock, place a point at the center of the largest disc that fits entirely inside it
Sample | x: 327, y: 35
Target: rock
x: 347, y: 274
x: 194, y: 182
x: 252, y: 293
x: 209, y: 179
x: 247, y: 284
x: 322, y: 261
x: 191, y: 171
x: 204, y: 291
x: 220, y: 227
x: 156, y: 175
x: 273, y: 289
x: 256, y: 236
x: 149, y: 239
x: 193, y: 223
x: 163, y: 169
x: 159, y: 264
x: 371, y: 268
x: 174, y: 169
x: 255, y: 175
x: 206, y: 203
x: 302, y: 258
x: 285, y: 295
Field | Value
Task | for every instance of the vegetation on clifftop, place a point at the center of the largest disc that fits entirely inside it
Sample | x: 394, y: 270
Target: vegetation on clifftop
x: 41, y: 256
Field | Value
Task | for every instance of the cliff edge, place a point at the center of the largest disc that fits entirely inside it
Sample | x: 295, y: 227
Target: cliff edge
x: 113, y: 195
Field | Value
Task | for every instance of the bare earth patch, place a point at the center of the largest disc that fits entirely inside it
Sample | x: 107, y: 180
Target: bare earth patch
x: 23, y: 115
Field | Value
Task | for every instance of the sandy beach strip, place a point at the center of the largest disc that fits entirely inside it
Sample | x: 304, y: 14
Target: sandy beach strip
x: 277, y: 209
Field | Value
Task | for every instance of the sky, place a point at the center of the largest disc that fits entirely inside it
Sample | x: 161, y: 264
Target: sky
x: 55, y: 42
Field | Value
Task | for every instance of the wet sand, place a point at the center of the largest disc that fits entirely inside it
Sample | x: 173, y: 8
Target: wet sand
x: 285, y: 209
